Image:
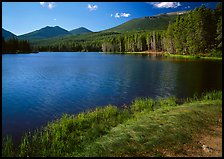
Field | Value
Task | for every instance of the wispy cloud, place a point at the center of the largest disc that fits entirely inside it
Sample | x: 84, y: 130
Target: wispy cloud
x: 92, y: 7
x: 50, y: 5
x: 165, y: 4
x: 54, y: 19
x: 119, y: 15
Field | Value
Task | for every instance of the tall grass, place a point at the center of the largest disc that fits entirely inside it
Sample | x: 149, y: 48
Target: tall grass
x: 69, y: 135
x: 213, y: 95
x: 7, y: 147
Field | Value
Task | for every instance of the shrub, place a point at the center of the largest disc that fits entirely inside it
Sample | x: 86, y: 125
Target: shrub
x: 140, y: 104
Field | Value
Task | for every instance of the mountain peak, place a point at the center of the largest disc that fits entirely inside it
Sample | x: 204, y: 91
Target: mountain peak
x: 7, y: 34
x: 57, y: 27
x: 46, y: 32
x: 80, y: 30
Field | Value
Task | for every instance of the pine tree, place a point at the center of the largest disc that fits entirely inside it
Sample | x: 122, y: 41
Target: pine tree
x: 219, y: 34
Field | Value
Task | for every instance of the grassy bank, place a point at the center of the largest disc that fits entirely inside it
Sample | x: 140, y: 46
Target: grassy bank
x: 200, y: 56
x: 135, y: 53
x: 192, y: 56
x: 141, y: 129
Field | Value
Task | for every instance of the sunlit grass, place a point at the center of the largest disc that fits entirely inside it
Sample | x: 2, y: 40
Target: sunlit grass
x: 199, y: 56
x: 180, y: 56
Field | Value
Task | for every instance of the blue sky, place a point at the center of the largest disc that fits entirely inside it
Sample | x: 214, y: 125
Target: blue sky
x: 23, y: 17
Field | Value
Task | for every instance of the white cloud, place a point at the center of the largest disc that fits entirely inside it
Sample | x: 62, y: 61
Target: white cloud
x: 42, y: 3
x: 50, y: 5
x: 111, y: 15
x: 125, y: 14
x: 165, y: 4
x: 54, y: 19
x: 92, y: 7
x: 118, y: 15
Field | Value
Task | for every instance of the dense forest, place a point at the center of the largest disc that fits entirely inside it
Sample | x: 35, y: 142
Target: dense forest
x: 13, y: 45
x: 197, y: 32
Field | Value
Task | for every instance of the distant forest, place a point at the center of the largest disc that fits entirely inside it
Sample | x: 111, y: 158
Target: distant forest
x: 197, y: 32
x: 13, y: 45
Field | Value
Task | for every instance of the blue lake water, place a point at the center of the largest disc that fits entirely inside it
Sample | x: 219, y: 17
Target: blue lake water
x: 37, y: 88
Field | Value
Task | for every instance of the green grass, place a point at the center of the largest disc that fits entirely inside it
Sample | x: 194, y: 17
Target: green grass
x: 141, y: 129
x: 165, y: 54
x: 192, y: 56
x: 149, y: 132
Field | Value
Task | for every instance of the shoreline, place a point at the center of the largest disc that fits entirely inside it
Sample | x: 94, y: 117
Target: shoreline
x: 35, y: 52
x: 103, y: 127
x: 165, y: 54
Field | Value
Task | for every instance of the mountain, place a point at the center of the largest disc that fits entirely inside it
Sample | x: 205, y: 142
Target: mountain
x: 55, y: 34
x: 46, y: 32
x: 6, y: 34
x: 157, y: 22
x: 80, y: 30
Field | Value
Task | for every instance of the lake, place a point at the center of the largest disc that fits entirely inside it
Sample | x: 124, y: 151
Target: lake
x: 37, y: 88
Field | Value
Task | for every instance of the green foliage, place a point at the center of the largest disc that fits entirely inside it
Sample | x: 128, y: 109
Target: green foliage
x: 140, y: 104
x: 194, y: 33
x: 165, y: 102
x: 134, y: 42
x: 219, y: 33
x: 216, y: 52
x: 213, y: 95
x: 25, y: 146
x: 7, y: 147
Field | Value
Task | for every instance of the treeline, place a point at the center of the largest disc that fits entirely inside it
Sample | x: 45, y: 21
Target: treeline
x: 77, y: 46
x: 139, y: 41
x: 198, y: 32
x: 134, y: 41
x: 80, y: 43
x: 13, y: 45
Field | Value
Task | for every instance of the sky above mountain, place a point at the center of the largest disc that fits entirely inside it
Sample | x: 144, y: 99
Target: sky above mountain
x: 23, y: 17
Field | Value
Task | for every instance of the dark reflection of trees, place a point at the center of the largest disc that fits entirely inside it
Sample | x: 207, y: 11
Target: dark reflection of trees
x: 197, y: 77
